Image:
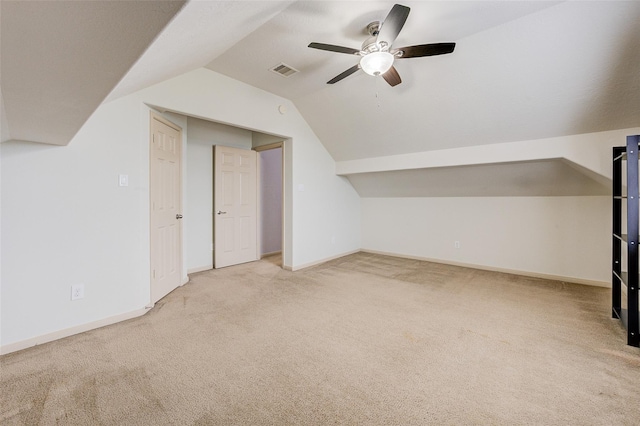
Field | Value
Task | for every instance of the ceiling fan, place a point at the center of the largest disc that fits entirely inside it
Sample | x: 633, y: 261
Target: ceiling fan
x: 377, y: 54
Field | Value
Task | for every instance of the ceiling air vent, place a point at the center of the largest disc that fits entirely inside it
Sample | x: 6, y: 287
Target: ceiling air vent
x: 284, y: 70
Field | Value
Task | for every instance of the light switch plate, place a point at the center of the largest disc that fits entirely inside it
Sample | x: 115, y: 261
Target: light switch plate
x: 123, y: 180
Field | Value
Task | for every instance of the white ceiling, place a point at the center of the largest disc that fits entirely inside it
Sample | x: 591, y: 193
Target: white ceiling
x: 522, y: 179
x: 521, y: 70
x: 60, y: 59
x: 200, y: 32
x: 285, y: 38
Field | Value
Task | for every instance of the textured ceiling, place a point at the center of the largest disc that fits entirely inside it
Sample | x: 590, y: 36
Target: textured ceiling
x: 285, y: 38
x: 60, y: 59
x: 523, y: 70
x: 520, y: 71
x: 523, y: 179
x: 200, y: 32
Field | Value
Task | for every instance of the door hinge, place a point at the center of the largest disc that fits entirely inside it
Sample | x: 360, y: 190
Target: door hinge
x: 154, y: 274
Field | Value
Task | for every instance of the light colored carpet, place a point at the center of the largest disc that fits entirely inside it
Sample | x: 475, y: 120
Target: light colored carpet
x: 365, y: 339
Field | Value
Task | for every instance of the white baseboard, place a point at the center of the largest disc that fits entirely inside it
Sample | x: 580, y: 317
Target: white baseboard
x: 24, y: 344
x: 49, y: 337
x: 318, y: 262
x: 496, y: 269
x: 200, y: 269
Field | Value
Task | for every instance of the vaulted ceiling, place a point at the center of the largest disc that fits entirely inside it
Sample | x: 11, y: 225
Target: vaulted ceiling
x: 521, y: 70
x: 60, y: 59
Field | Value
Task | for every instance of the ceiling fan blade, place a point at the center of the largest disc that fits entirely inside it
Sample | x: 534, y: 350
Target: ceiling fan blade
x: 333, y: 48
x: 426, y: 50
x: 344, y: 74
x: 392, y: 77
x: 393, y: 23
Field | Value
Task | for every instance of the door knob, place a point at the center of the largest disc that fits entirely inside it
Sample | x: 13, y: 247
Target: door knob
x: 178, y: 216
x: 221, y: 212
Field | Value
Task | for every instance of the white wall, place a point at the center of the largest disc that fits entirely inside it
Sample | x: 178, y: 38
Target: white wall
x: 203, y: 132
x: 4, y: 123
x: 261, y: 139
x: 557, y: 236
x: 65, y: 220
x: 203, y: 135
x: 328, y: 206
x: 591, y: 151
x: 565, y: 236
x: 270, y: 201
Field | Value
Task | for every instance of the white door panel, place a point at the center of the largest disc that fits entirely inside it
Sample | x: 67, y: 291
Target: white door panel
x: 235, y: 206
x: 166, y: 231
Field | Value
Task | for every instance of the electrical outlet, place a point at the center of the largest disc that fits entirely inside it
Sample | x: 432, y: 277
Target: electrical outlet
x: 456, y: 244
x: 77, y: 291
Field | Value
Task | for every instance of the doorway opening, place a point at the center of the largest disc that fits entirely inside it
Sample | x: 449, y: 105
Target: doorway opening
x: 270, y: 202
x: 201, y: 135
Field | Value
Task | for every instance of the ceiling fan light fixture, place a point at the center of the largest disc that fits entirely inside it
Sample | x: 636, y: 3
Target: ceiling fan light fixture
x: 376, y: 63
x: 377, y: 54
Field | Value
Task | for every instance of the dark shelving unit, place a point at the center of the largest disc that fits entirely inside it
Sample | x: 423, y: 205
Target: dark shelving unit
x: 624, y: 284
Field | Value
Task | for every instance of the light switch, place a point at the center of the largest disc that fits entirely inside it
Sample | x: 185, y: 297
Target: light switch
x: 123, y: 180
x: 300, y: 187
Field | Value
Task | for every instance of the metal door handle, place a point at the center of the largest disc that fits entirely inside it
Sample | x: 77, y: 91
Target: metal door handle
x: 221, y: 212
x: 178, y: 216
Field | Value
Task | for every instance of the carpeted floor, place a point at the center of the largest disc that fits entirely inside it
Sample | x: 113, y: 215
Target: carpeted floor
x: 362, y: 340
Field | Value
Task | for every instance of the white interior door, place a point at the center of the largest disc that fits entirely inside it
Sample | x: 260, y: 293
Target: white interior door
x: 234, y: 206
x: 165, y: 203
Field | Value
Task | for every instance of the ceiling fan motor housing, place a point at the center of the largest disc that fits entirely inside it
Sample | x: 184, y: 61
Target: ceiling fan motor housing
x: 374, y: 28
x: 371, y: 44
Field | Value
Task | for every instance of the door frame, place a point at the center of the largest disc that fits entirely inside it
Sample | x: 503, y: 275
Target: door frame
x: 259, y: 149
x: 157, y: 117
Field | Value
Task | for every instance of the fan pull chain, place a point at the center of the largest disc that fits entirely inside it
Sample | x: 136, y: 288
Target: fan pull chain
x: 377, y: 94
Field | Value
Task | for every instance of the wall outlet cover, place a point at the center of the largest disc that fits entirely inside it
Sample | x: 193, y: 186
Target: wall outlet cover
x: 77, y: 291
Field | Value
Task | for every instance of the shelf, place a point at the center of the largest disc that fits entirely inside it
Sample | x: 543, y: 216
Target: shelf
x: 623, y: 315
x: 622, y: 237
x: 623, y: 277
x: 622, y: 157
x: 625, y: 300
